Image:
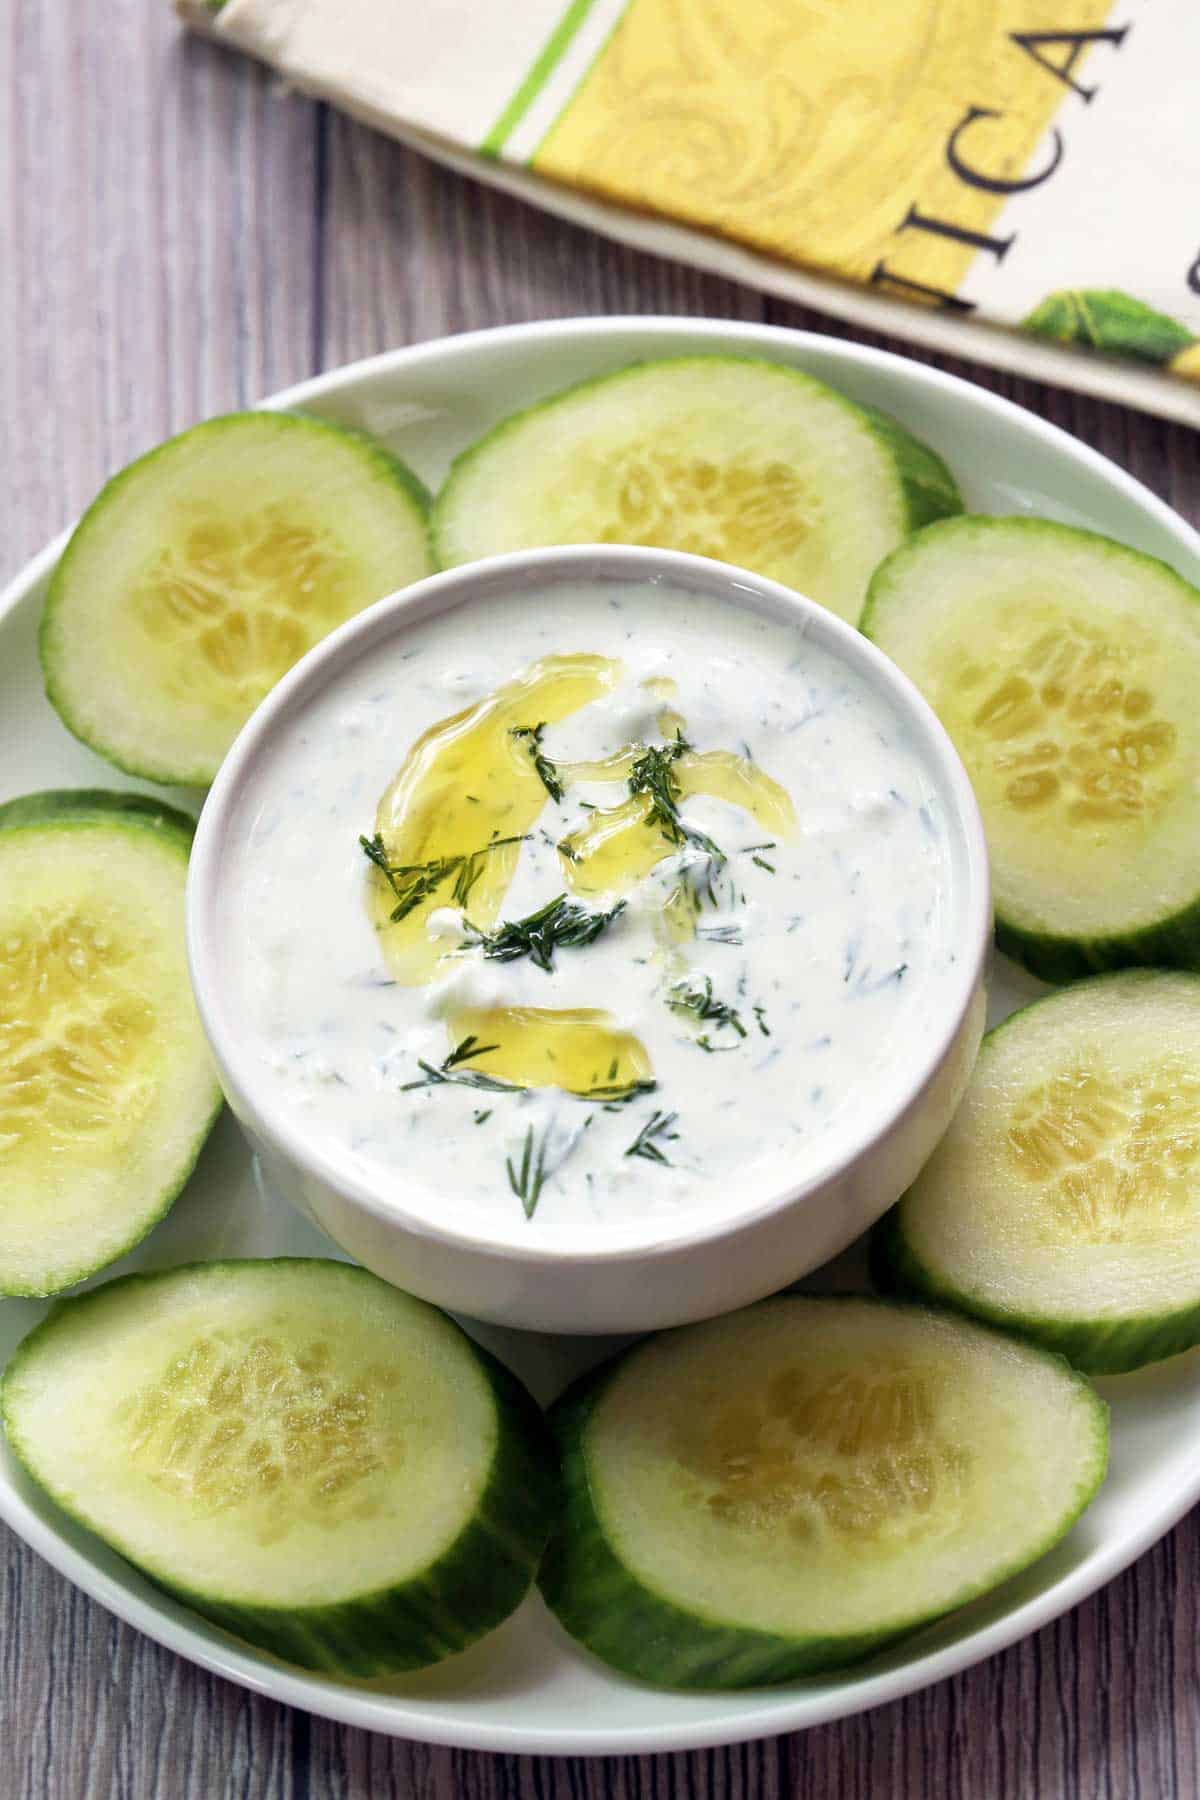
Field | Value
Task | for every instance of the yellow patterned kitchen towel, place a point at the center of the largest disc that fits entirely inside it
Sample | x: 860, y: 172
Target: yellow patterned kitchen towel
x: 943, y: 169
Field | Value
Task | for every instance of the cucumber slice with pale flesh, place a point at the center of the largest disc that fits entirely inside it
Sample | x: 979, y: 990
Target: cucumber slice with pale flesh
x: 107, y: 1088
x: 310, y: 1458
x: 784, y: 1490
x: 204, y: 570
x: 741, y: 460
x: 1064, y: 1201
x: 1065, y: 667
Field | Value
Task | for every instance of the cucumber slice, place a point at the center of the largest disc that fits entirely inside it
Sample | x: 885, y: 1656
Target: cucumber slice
x: 310, y: 1458
x: 204, y: 570
x: 107, y: 1089
x: 1065, y: 668
x: 725, y: 456
x: 1064, y: 1201
x: 781, y: 1491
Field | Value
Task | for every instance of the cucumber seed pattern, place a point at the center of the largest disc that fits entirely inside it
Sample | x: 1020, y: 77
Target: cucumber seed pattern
x: 230, y: 607
x: 1111, y: 1160
x: 276, y: 1431
x: 77, y: 1043
x: 1071, y: 726
x: 852, y: 1455
x: 752, y: 513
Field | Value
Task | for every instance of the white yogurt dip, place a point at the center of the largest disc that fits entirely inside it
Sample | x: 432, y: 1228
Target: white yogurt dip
x: 774, y: 983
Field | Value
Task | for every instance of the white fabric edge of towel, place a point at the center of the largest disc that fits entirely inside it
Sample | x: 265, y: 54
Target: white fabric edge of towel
x: 972, y: 340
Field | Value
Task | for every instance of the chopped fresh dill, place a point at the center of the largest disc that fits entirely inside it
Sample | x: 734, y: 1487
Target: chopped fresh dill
x: 411, y: 883
x: 657, y: 1128
x: 530, y: 1176
x: 864, y: 985
x: 653, y: 773
x: 698, y: 880
x: 612, y: 1094
x: 694, y: 994
x: 617, y: 1093
x: 560, y: 924
x: 760, y: 1013
x: 547, y: 772
x: 721, y: 934
x: 469, y: 1047
x: 452, y: 1073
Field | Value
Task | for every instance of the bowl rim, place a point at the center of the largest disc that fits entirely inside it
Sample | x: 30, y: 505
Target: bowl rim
x: 471, y: 584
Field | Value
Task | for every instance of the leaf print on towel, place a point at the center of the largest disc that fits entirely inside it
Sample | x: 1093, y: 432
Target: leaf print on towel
x: 1107, y: 319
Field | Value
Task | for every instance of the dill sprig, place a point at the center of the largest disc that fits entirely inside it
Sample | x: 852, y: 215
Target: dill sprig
x: 468, y: 1047
x: 547, y: 772
x: 559, y: 925
x: 720, y: 934
x: 653, y: 773
x: 611, y: 1093
x: 617, y: 1094
x: 452, y: 1072
x: 411, y: 883
x: 657, y: 1128
x: 694, y: 994
x: 530, y: 1175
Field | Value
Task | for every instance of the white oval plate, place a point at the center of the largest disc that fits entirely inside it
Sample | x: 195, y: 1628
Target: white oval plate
x: 527, y: 1688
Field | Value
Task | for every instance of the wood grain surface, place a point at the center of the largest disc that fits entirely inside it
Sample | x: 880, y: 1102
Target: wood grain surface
x: 177, y: 237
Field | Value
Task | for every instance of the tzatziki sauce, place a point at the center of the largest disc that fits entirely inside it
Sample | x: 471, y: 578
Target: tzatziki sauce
x: 615, y: 906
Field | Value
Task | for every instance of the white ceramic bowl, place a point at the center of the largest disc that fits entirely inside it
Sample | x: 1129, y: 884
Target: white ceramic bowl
x: 644, y: 1276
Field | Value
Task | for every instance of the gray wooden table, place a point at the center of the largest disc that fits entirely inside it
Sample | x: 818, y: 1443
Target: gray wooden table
x: 177, y: 238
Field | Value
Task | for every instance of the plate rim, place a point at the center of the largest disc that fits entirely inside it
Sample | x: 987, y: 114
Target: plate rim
x: 796, y: 1708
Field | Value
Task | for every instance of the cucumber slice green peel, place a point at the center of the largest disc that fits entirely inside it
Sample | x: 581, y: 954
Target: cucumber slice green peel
x: 1064, y: 1201
x: 313, y: 1460
x: 205, y: 569
x: 785, y: 1490
x: 107, y: 1088
x: 730, y: 457
x: 1065, y: 668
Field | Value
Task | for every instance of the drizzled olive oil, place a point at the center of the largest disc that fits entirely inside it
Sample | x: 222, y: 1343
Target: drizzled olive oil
x: 451, y: 823
x: 451, y: 826
x: 572, y: 914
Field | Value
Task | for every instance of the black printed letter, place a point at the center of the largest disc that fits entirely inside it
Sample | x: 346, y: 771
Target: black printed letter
x: 995, y: 184
x: 915, y: 220
x: 881, y: 276
x: 1029, y: 42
